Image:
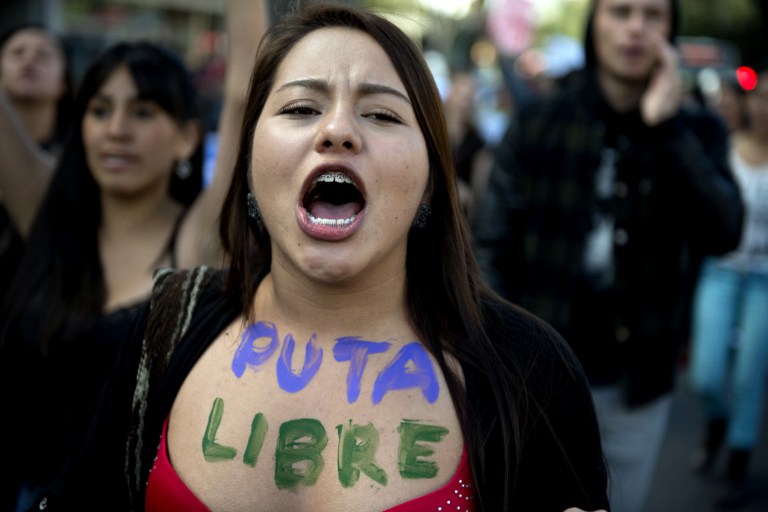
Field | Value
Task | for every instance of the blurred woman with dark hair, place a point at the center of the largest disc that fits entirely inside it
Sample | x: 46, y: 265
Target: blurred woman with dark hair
x: 124, y: 198
x: 36, y: 100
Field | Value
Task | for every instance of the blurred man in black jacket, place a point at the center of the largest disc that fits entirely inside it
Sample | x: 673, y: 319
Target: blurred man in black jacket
x: 601, y: 201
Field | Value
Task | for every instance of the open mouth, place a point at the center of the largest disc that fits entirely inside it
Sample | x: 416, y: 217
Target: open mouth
x: 333, y: 200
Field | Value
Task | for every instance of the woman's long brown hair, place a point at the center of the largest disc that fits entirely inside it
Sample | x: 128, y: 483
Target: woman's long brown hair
x: 445, y: 293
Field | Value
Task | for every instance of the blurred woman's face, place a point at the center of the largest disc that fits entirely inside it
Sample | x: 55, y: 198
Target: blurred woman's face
x: 32, y: 66
x: 757, y: 104
x: 730, y: 106
x: 339, y: 163
x: 131, y: 143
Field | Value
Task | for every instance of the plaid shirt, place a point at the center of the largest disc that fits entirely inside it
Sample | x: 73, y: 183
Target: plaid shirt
x: 673, y: 201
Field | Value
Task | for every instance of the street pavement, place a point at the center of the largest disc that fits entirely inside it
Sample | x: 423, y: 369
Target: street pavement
x: 675, y: 488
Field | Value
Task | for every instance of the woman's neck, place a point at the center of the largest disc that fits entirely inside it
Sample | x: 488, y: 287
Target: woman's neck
x: 752, y: 146
x: 133, y: 241
x: 126, y: 215
x: 38, y: 119
x: 359, y: 309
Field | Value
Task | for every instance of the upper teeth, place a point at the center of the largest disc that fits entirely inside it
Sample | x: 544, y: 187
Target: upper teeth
x: 330, y: 177
x: 336, y: 223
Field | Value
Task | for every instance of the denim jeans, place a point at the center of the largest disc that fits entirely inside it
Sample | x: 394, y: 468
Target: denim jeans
x: 729, y: 352
x: 632, y: 438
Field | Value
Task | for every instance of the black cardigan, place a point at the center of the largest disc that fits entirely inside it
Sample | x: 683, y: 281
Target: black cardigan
x: 547, y: 480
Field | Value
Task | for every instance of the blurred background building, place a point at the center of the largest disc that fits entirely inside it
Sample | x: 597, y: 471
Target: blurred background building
x: 451, y: 26
x: 515, y: 47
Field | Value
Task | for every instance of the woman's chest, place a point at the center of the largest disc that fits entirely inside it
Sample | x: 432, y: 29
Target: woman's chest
x: 331, y: 421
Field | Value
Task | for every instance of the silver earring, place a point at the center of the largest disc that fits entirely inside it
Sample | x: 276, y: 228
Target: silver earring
x: 253, y: 207
x: 183, y: 168
x: 422, y: 215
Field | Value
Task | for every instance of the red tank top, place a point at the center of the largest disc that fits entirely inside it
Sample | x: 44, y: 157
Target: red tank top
x: 166, y: 492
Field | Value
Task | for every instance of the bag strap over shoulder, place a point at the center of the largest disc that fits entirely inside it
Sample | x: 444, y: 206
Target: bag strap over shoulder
x: 174, y: 296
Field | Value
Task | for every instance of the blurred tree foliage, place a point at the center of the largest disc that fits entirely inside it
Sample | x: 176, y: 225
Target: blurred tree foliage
x: 743, y: 22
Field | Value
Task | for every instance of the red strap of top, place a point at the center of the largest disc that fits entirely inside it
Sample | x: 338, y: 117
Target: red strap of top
x: 166, y: 492
x: 457, y: 495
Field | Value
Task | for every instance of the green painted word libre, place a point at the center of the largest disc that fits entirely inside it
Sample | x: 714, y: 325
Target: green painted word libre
x: 299, y: 451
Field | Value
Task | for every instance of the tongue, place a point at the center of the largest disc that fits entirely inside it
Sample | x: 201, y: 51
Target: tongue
x: 323, y: 210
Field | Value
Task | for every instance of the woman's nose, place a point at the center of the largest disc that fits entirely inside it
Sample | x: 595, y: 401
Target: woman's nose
x: 339, y: 132
x: 117, y: 125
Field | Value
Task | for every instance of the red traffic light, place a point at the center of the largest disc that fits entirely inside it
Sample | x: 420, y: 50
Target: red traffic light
x: 747, y: 77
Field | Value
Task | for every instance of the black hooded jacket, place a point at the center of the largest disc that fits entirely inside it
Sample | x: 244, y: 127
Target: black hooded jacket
x: 673, y: 200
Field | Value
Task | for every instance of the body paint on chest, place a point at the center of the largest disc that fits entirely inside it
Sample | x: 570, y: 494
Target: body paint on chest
x: 410, y: 368
x: 357, y: 450
x: 299, y: 453
x: 300, y: 444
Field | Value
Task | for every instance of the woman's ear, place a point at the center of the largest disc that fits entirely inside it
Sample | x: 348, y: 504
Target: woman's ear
x: 189, y: 140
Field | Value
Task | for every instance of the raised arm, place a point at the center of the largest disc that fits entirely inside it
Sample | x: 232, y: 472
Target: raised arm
x: 198, y: 243
x: 25, y: 169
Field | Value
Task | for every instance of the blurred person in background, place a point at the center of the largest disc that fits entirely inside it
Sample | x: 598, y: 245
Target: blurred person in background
x: 125, y: 198
x: 729, y: 338
x: 34, y: 75
x: 730, y: 103
x: 36, y: 96
x: 470, y: 150
x: 602, y: 198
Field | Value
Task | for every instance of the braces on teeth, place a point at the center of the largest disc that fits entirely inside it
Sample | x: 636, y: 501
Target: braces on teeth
x: 330, y: 177
x: 334, y: 223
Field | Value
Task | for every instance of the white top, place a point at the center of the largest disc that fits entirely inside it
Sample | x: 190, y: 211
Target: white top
x: 752, y: 253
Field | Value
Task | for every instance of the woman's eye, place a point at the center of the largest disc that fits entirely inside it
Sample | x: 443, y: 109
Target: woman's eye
x: 98, y: 111
x: 145, y: 111
x: 44, y: 54
x: 383, y: 116
x: 298, y: 110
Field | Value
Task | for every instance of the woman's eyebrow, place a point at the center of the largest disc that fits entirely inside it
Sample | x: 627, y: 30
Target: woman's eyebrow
x: 306, y: 83
x: 364, y: 89
x: 368, y: 88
